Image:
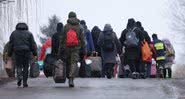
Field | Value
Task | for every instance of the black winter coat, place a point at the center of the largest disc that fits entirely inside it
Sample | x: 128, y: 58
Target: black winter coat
x: 95, y: 35
x: 134, y: 52
x: 55, y: 43
x: 22, y: 40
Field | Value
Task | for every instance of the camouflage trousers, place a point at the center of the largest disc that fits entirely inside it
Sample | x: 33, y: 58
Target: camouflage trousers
x: 72, y: 57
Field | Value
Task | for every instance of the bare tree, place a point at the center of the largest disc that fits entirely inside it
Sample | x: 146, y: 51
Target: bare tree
x: 177, y: 8
x: 177, y: 20
x: 50, y: 29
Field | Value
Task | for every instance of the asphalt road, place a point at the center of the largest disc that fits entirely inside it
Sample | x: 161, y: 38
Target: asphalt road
x: 92, y: 88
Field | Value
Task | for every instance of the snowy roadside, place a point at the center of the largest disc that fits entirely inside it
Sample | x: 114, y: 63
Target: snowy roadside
x: 178, y: 87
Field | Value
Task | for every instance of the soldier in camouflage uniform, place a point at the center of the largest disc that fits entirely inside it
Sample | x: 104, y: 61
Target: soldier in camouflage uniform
x: 71, y: 54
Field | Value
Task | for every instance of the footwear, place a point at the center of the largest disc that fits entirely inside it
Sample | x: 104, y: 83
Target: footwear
x: 109, y: 76
x: 71, y: 83
x: 109, y: 73
x: 25, y: 85
x: 134, y: 75
x: 142, y: 75
x: 19, y: 83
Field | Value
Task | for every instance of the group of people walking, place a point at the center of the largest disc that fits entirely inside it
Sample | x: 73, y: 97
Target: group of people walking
x: 74, y: 42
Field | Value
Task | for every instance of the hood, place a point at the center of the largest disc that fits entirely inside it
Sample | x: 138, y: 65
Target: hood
x: 107, y: 29
x: 73, y: 21
x: 166, y: 41
x: 95, y: 29
x: 59, y: 27
x: 21, y: 26
x: 131, y: 23
x: 139, y: 25
x: 154, y: 36
x: 82, y: 22
x: 84, y: 26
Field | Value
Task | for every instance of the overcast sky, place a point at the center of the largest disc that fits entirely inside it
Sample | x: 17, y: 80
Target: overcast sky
x: 116, y: 12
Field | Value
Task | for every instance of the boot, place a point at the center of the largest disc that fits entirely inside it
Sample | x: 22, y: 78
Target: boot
x: 109, y: 76
x: 134, y: 75
x: 19, y: 83
x: 71, y: 83
x: 25, y: 85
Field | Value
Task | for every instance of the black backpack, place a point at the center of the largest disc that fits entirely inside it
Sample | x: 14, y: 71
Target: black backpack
x: 131, y: 39
x: 108, y: 44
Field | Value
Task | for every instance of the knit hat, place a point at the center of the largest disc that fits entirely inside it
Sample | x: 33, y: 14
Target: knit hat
x: 72, y: 15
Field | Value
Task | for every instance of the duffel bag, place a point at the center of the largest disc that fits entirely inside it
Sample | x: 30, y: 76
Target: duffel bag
x: 59, y: 71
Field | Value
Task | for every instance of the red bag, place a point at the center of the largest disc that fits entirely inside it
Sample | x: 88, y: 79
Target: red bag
x: 146, y: 52
x: 72, y: 39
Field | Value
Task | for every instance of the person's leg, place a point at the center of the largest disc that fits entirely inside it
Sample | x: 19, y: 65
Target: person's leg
x: 19, y: 69
x: 74, y: 57
x: 25, y: 71
x: 161, y: 70
x: 131, y: 64
x: 164, y: 72
x: 109, y: 70
x: 169, y: 72
x: 158, y: 71
x: 148, y: 69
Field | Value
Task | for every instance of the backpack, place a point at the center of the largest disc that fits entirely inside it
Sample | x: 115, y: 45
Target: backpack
x: 72, y: 38
x: 169, y: 50
x: 131, y: 39
x: 146, y: 52
x: 108, y: 44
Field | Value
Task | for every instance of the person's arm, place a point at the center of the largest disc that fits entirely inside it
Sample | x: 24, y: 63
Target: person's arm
x: 122, y: 38
x: 118, y: 44
x: 10, y: 47
x: 83, y: 41
x: 53, y: 47
x: 100, y: 40
x: 147, y: 37
x: 91, y: 42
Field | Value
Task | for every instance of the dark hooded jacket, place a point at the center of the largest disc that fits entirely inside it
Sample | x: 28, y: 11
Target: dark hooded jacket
x: 144, y: 33
x: 95, y: 35
x: 133, y: 53
x: 56, y: 39
x: 159, y: 47
x: 109, y: 57
x: 89, y: 40
x: 22, y: 40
